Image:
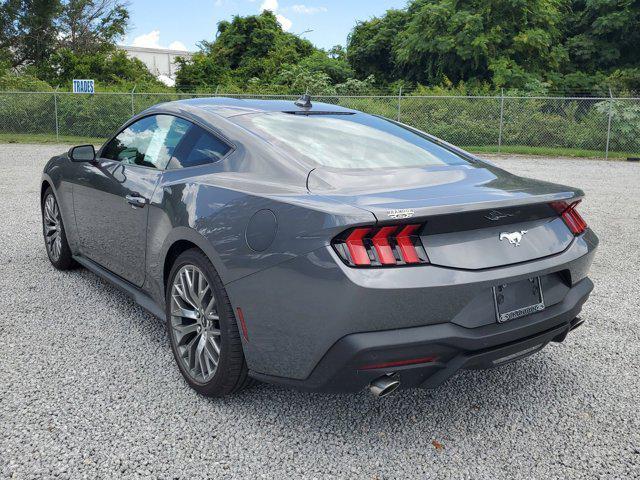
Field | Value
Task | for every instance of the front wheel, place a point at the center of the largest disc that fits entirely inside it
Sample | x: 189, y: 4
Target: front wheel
x: 202, y: 328
x: 55, y: 238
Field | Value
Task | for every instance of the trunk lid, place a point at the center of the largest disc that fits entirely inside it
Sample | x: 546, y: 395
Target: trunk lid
x: 475, y: 216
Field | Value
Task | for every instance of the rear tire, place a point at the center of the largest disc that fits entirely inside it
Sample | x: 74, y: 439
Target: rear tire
x: 53, y: 231
x: 202, y: 328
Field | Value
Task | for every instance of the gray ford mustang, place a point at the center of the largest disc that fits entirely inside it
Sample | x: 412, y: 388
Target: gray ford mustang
x: 319, y: 247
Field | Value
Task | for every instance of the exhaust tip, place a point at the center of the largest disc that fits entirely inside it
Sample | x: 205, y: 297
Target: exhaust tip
x: 383, y: 386
x: 576, y: 323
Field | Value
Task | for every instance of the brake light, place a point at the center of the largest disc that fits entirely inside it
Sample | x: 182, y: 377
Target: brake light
x: 390, y: 245
x: 570, y: 215
x: 405, y: 242
x: 356, y: 247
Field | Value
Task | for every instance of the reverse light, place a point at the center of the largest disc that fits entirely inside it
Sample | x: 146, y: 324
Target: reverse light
x: 570, y: 216
x: 390, y: 245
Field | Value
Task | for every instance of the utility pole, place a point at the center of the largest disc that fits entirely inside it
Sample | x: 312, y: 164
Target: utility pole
x: 302, y: 33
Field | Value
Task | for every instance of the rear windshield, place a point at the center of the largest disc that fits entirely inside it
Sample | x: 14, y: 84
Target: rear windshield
x: 349, y: 141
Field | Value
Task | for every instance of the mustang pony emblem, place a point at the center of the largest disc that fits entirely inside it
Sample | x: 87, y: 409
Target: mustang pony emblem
x: 514, y: 237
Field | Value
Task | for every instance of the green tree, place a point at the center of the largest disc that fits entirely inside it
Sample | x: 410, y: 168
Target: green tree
x: 109, y: 67
x: 90, y: 26
x: 298, y: 79
x: 245, y: 48
x: 87, y: 32
x: 604, y: 34
x: 531, y: 45
x: 245, y: 39
x: 370, y: 45
x: 338, y: 52
x: 56, y: 41
x: 509, y: 43
x: 22, y: 83
x: 602, y: 38
x: 337, y: 69
x: 28, y: 31
x: 201, y: 71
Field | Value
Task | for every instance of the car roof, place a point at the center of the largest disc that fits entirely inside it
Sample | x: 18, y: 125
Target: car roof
x: 229, y: 107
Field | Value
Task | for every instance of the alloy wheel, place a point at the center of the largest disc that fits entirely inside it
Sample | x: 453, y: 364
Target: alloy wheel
x: 195, y: 323
x: 52, y: 227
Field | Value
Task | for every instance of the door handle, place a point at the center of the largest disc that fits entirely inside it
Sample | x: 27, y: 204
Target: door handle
x: 136, y: 201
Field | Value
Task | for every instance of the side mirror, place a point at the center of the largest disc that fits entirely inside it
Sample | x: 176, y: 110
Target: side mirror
x: 82, y: 153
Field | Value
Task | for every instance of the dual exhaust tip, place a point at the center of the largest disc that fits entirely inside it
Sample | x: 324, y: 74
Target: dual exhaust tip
x: 384, y: 385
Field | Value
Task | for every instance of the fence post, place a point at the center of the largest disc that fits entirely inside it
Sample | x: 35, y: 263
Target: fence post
x: 217, y: 88
x: 399, y: 100
x: 501, y: 120
x: 55, y: 110
x: 606, y: 151
x: 133, y: 108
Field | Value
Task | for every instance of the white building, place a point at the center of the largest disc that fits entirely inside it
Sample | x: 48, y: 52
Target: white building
x: 160, y: 61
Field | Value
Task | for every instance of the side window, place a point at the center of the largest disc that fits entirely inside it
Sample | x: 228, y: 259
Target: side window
x: 199, y: 148
x: 149, y: 142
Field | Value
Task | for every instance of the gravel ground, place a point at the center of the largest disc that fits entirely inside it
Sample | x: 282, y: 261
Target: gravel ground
x: 88, y: 386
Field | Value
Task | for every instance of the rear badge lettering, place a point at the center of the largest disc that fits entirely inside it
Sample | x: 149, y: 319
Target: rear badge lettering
x: 398, y: 213
x: 495, y: 215
x: 521, y: 312
x: 514, y: 237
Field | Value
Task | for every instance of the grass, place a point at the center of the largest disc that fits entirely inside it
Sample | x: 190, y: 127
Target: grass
x: 549, y: 151
x: 47, y: 139
x: 506, y: 149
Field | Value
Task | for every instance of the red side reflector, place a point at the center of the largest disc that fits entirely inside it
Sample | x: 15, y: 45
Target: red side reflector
x: 405, y: 243
x: 399, y: 363
x: 356, y: 248
x: 381, y: 244
x: 243, y: 325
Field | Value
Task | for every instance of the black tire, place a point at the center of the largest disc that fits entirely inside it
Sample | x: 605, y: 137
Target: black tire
x: 231, y: 372
x: 60, y: 256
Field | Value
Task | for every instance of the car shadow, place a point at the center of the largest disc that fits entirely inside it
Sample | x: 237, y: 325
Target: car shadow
x: 496, y: 395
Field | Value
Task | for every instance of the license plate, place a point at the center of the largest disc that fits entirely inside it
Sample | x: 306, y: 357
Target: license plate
x: 518, y: 299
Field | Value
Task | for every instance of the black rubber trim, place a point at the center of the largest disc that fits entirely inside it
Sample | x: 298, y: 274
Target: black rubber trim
x: 140, y: 297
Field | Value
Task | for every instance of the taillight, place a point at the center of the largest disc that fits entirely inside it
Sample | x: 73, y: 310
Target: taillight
x: 389, y: 245
x: 570, y: 215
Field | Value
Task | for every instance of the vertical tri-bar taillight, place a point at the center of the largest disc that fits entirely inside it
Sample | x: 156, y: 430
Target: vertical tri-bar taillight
x: 570, y: 215
x: 389, y: 245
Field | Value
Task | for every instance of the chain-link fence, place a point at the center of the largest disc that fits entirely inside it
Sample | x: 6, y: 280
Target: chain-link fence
x: 562, y: 125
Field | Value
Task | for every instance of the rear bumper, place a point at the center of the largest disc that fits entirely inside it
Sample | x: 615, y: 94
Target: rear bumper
x: 445, y: 348
x: 313, y: 321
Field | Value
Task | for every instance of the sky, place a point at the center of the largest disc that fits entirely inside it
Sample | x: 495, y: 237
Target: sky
x: 180, y: 25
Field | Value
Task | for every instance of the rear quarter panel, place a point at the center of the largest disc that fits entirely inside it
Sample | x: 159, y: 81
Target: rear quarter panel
x: 213, y: 207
